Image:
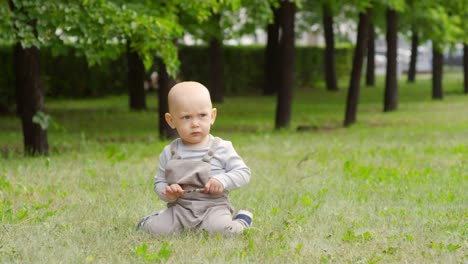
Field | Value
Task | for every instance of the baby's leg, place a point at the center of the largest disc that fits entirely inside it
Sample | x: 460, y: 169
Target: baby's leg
x: 219, y: 220
x: 161, y: 223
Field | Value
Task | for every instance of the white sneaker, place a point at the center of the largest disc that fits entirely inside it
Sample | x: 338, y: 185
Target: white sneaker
x: 245, y: 217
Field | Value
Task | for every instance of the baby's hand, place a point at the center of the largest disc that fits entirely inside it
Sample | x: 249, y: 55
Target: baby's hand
x: 213, y: 186
x: 173, y: 191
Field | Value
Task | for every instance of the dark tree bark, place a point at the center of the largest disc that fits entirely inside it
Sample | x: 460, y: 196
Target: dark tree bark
x: 391, y: 80
x: 414, y: 56
x: 355, y: 81
x: 29, y: 96
x: 8, y: 82
x: 216, y: 79
x: 165, y: 82
x: 329, y: 52
x: 465, y: 67
x: 285, y: 92
x: 272, y: 64
x: 29, y: 99
x: 216, y: 65
x: 136, y: 79
x: 437, y: 66
x: 370, y: 69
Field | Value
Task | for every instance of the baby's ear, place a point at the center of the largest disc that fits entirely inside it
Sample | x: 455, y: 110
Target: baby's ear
x: 169, y: 120
x: 214, y: 111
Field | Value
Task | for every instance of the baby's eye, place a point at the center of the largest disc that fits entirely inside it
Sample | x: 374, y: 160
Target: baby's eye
x: 186, y: 117
x: 203, y: 115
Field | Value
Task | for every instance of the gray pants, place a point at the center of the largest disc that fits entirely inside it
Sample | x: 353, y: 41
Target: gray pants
x: 173, y: 220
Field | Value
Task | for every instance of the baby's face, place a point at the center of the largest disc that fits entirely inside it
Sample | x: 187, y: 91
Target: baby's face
x: 193, y: 116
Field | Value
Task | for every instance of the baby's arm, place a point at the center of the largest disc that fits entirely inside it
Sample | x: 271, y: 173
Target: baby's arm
x: 161, y: 185
x: 236, y: 173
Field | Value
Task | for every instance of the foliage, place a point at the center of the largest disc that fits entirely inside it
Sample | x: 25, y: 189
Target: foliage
x: 67, y: 75
x: 311, y: 14
x: 163, y: 254
x: 244, y: 67
x: 99, y: 28
x: 231, y: 20
x: 309, y: 64
x: 459, y: 10
x: 438, y: 21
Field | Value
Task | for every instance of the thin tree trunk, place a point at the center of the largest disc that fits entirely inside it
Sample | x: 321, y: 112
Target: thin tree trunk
x: 165, y: 82
x: 465, y: 66
x: 30, y: 99
x: 437, y: 66
x: 355, y: 81
x: 216, y: 63
x: 272, y: 65
x: 370, y: 69
x: 285, y: 92
x: 414, y: 56
x: 391, y: 82
x: 135, y: 82
x: 329, y: 52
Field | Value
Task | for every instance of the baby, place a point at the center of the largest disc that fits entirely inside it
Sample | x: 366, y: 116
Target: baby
x: 197, y: 171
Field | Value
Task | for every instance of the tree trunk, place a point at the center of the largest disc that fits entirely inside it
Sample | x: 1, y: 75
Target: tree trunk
x: 329, y: 52
x: 355, y: 81
x: 216, y: 62
x: 437, y: 66
x: 285, y: 92
x: 8, y: 83
x: 29, y: 99
x: 465, y: 66
x: 414, y: 56
x: 370, y: 69
x: 165, y: 82
x: 391, y: 78
x: 272, y: 65
x: 136, y: 79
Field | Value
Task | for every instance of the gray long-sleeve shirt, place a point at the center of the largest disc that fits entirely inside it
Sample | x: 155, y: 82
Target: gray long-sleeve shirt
x: 226, y: 165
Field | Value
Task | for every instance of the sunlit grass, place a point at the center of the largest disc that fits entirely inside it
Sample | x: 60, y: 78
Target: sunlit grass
x: 390, y: 189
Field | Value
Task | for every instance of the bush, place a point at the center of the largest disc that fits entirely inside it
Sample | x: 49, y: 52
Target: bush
x: 68, y: 75
x: 244, y: 66
x: 65, y: 75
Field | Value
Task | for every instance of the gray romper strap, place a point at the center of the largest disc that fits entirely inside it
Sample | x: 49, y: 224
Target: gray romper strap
x: 208, y: 156
x: 174, y: 154
x: 210, y: 153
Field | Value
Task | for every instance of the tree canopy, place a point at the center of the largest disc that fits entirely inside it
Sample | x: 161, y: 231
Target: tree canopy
x: 99, y: 28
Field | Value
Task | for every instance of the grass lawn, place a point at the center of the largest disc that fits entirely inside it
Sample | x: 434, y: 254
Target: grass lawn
x: 390, y: 189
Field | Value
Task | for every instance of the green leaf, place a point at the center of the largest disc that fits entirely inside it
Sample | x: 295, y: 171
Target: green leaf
x: 452, y: 247
x: 141, y: 250
x: 42, y: 119
x: 165, y: 251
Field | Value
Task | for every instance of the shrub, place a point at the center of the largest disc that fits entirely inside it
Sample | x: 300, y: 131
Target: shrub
x: 68, y: 75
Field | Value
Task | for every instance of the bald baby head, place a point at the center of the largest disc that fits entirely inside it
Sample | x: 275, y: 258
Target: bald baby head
x: 188, y: 93
x: 191, y: 113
